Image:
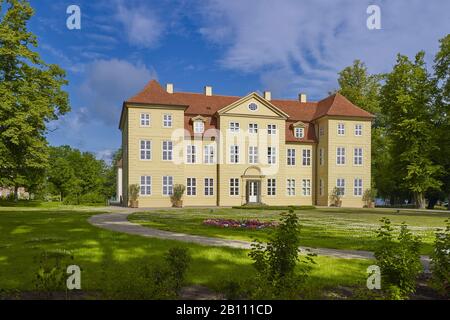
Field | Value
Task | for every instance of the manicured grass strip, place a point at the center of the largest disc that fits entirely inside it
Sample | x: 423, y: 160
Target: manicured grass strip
x: 262, y: 207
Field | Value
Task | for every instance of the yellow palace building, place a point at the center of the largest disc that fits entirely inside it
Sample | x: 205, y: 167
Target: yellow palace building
x: 231, y: 150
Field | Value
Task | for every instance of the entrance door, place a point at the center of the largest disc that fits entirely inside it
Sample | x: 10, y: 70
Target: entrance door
x: 253, y: 191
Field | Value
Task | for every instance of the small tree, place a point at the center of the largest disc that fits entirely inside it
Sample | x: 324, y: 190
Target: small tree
x: 335, y: 197
x: 178, y: 191
x: 440, y: 261
x: 133, y: 191
x: 369, y: 197
x: 398, y: 259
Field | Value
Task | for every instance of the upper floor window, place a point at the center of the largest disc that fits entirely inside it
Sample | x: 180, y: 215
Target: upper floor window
x: 167, y: 121
x: 167, y: 150
x: 146, y: 150
x: 191, y: 186
x: 291, y: 157
x: 253, y: 128
x: 234, y: 187
x: 234, y: 154
x: 271, y: 155
x: 340, y: 185
x: 299, y: 132
x: 272, y: 129
x: 358, y: 129
x: 290, y: 187
x: 253, y: 106
x: 146, y: 185
x: 357, y: 187
x: 167, y: 185
x: 341, y: 129
x: 191, y: 154
x: 252, y: 154
x: 209, y: 154
x: 234, y: 127
x: 271, y: 187
x: 321, y: 156
x: 340, y: 155
x: 199, y: 126
x: 321, y: 131
x: 306, y: 157
x: 358, y: 156
x: 145, y: 119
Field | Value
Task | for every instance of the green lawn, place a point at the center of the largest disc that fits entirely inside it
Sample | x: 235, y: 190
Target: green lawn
x: 337, y: 228
x: 25, y: 232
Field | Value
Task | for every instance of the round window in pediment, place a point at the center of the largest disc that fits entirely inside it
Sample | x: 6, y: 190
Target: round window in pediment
x: 253, y: 106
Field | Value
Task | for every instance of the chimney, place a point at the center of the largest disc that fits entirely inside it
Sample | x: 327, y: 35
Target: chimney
x: 267, y: 95
x: 169, y: 88
x: 208, y: 91
x: 302, y: 97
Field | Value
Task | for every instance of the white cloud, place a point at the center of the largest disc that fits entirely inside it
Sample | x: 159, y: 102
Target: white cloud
x: 301, y: 45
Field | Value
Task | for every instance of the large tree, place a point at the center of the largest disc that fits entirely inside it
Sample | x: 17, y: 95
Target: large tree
x: 31, y: 96
x: 407, y: 102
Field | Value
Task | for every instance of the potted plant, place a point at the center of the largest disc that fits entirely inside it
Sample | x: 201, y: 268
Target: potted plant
x: 369, y: 197
x: 133, y: 191
x: 335, y: 198
x: 177, y: 194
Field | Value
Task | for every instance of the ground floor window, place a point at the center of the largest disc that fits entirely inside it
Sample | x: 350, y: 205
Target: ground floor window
x: 271, y: 187
x: 306, y: 187
x: 191, y: 186
x: 234, y: 187
x: 290, y: 185
x: 146, y: 185
x: 321, y: 187
x: 340, y: 185
x: 209, y: 187
x: 167, y: 185
x: 358, y: 186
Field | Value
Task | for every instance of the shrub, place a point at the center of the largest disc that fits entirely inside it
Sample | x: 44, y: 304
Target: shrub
x: 278, y: 274
x: 133, y: 191
x: 440, y: 261
x: 177, y: 260
x: 399, y: 261
x: 178, y: 191
x: 266, y: 207
x: 369, y: 197
x: 335, y: 197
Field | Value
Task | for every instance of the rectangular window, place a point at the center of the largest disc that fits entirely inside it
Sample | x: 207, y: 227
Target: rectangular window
x: 253, y: 128
x: 341, y: 129
x: 271, y: 155
x: 340, y: 155
x: 321, y: 156
x: 306, y: 159
x: 191, y: 186
x: 167, y: 150
x: 146, y: 185
x: 321, y: 187
x: 340, y: 184
x: 209, y: 186
x: 167, y: 121
x: 252, y: 155
x: 358, y: 129
x: 167, y: 185
x: 357, y: 187
x: 145, y: 119
x: 234, y: 154
x: 272, y: 129
x: 199, y: 126
x: 321, y: 131
x: 299, y: 132
x: 191, y: 154
x: 271, y: 187
x: 291, y: 157
x: 358, y: 156
x: 306, y: 187
x: 146, y: 150
x: 290, y: 185
x: 234, y: 187
x: 209, y: 154
x: 234, y: 127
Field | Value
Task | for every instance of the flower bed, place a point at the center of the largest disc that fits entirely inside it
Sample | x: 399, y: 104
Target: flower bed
x: 244, y: 224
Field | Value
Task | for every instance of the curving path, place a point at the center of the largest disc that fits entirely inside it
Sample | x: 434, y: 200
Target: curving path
x: 118, y: 221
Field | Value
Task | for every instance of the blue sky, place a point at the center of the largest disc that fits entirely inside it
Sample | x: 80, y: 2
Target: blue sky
x: 287, y: 47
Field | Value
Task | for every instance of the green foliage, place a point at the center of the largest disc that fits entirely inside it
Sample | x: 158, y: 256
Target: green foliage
x: 178, y: 191
x: 369, y: 196
x: 266, y: 207
x: 133, y: 191
x: 440, y: 261
x: 177, y: 260
x: 398, y: 259
x: 31, y: 96
x: 276, y: 262
x: 335, y: 197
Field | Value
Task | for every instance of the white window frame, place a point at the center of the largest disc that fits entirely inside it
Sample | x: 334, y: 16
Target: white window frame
x: 358, y: 156
x: 191, y: 153
x: 271, y: 155
x: 290, y: 187
x: 358, y: 129
x: 321, y: 187
x: 321, y: 156
x: 340, y: 185
x: 167, y: 120
x: 145, y: 186
x: 234, y: 127
x: 145, y: 119
x: 341, y: 129
x: 234, y: 154
x: 321, y: 131
x: 191, y: 186
x: 306, y: 187
x: 340, y: 156
x: 357, y: 187
x: 253, y: 155
x: 199, y: 126
x: 271, y: 187
x: 290, y: 157
x: 272, y: 129
x: 306, y: 157
x: 145, y: 150
x: 167, y: 150
x: 252, y: 128
x: 234, y: 187
x: 209, y: 186
x: 299, y: 132
x: 209, y: 154
x: 167, y: 185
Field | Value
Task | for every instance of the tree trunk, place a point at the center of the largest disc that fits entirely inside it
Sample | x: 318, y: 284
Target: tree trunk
x: 420, y: 200
x: 16, y: 193
x: 448, y: 202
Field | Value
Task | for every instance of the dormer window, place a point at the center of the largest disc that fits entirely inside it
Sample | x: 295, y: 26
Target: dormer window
x: 199, y: 126
x: 299, y: 132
